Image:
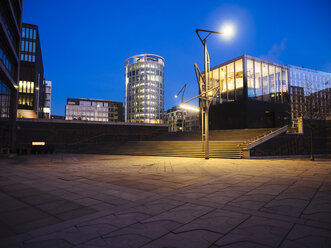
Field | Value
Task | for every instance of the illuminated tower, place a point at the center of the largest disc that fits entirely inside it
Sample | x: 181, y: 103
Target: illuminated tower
x: 144, y: 89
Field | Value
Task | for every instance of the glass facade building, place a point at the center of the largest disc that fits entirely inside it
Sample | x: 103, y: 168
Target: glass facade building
x: 31, y: 90
x: 252, y: 93
x: 258, y: 93
x: 309, y: 86
x: 144, y: 89
x: 10, y: 35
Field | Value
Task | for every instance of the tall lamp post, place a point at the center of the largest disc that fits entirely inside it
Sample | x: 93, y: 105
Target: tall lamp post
x: 182, y: 90
x: 207, y: 91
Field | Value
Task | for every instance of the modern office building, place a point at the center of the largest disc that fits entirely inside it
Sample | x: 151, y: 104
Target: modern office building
x: 10, y: 28
x: 309, y: 87
x: 31, y: 96
x: 258, y: 93
x: 93, y: 110
x: 47, y: 103
x: 182, y: 120
x: 144, y: 89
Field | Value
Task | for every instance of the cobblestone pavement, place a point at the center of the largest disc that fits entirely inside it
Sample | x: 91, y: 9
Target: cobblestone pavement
x: 121, y: 201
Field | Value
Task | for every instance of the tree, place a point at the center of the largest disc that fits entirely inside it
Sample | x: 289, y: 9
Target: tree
x: 316, y: 107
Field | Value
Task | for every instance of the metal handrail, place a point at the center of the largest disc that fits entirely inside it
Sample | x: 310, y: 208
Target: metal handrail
x: 256, y: 138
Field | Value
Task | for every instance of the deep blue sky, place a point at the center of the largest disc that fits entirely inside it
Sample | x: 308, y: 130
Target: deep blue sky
x: 85, y: 43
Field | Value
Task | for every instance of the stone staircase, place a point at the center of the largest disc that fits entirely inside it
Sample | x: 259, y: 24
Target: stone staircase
x: 223, y: 144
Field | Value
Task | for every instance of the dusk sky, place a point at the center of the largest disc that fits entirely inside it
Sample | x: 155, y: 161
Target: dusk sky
x: 84, y: 44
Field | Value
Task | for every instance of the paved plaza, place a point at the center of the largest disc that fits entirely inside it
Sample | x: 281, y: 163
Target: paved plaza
x: 66, y: 200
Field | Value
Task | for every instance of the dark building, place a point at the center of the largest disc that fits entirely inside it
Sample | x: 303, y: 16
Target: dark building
x: 10, y: 33
x: 31, y: 95
x: 94, y: 110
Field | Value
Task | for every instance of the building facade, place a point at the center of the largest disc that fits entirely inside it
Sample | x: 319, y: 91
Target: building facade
x: 31, y: 96
x: 253, y: 93
x: 144, y: 89
x: 10, y: 28
x: 310, y: 92
x: 182, y: 120
x: 93, y: 110
x: 258, y: 93
x: 47, y: 103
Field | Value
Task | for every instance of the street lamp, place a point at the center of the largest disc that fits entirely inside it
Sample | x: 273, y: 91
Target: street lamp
x: 182, y: 90
x: 207, y: 92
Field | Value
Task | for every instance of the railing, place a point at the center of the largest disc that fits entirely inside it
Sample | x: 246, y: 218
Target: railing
x: 248, y: 144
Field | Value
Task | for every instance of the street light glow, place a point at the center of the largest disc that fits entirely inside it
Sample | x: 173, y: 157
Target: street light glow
x: 188, y: 107
x: 176, y: 96
x: 228, y: 31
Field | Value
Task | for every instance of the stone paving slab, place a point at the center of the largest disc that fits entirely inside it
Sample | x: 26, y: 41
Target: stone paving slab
x: 66, y: 200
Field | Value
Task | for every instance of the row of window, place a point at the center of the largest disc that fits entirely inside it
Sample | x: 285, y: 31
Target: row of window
x: 145, y: 91
x: 143, y: 85
x: 26, y: 100
x: 91, y: 109
x: 90, y: 103
x: 28, y: 57
x: 4, y: 100
x: 145, y: 116
x: 266, y: 82
x: 307, y: 79
x: 154, y: 78
x: 86, y: 118
x: 26, y: 87
x: 2, y: 16
x: 151, y: 121
x: 145, y: 65
x: 145, y: 71
x: 28, y: 46
x: 29, y: 33
x: 79, y: 113
x: 5, y: 60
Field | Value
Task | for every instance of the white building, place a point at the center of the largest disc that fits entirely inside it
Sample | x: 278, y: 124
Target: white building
x: 47, y: 104
x: 93, y: 110
x: 184, y: 120
x: 144, y: 89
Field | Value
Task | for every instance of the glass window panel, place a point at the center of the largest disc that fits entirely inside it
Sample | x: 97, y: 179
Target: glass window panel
x: 31, y: 33
x: 239, y: 77
x: 250, y: 78
x: 26, y: 57
x: 23, y: 32
x: 22, y: 57
x: 32, y: 87
x: 278, y: 83
x: 34, y: 47
x: 27, y: 33
x: 22, y: 46
x: 33, y: 58
x: 34, y: 34
x: 272, y: 88
x: 30, y: 46
x: 258, y: 80
x: 20, y: 86
x: 230, y: 80
x: 265, y: 82
x: 24, y: 86
x: 223, y: 86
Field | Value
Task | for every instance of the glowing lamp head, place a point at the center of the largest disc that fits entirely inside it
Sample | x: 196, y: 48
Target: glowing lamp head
x: 176, y: 96
x: 228, y: 31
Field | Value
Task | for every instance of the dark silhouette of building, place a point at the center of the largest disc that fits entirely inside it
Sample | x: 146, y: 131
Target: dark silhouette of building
x: 31, y: 96
x: 10, y: 27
